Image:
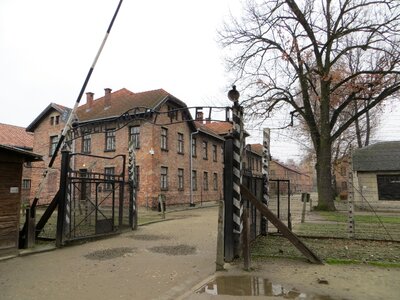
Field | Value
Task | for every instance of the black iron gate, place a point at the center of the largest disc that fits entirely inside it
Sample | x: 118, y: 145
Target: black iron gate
x: 255, y: 185
x: 92, y: 203
x: 279, y: 201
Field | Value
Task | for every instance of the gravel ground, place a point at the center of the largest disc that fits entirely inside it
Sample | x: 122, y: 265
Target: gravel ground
x: 173, y: 260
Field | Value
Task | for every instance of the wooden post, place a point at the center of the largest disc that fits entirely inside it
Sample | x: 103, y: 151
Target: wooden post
x: 304, y: 200
x: 62, y: 205
x: 281, y: 226
x: 351, y: 223
x: 246, y: 239
x: 220, y: 238
x: 228, y: 198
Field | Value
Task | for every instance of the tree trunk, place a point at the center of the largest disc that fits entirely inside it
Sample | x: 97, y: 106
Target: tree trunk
x: 324, y: 177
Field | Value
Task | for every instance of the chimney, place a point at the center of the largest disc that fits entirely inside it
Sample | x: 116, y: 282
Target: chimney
x: 107, y: 98
x: 89, y: 99
x: 199, y: 114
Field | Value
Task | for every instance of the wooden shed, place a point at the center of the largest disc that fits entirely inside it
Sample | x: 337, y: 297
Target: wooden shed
x: 11, y: 165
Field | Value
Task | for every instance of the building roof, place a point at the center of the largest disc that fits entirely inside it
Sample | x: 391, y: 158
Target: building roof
x: 289, y: 169
x: 221, y: 128
x: 15, y: 136
x: 28, y: 155
x: 202, y: 127
x: 122, y: 101
x: 64, y: 112
x: 256, y: 148
x: 383, y: 156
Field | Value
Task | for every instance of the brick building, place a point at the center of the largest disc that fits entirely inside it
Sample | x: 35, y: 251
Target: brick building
x: 173, y: 152
x: 299, y: 182
x: 45, y: 129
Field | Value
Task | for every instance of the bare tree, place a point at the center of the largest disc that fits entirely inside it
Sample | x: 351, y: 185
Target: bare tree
x: 298, y: 53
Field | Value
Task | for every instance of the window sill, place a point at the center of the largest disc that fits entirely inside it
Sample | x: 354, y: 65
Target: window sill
x: 110, y: 150
x: 163, y: 149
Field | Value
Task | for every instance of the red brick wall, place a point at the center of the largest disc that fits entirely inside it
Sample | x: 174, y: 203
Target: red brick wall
x: 150, y: 164
x: 41, y: 145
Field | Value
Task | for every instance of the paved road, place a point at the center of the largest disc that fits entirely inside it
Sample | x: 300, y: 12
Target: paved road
x: 158, y: 261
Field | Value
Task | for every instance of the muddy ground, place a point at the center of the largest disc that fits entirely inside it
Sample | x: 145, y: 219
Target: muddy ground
x: 175, y: 259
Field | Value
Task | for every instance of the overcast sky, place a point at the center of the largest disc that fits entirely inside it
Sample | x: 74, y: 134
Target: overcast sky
x: 47, y: 47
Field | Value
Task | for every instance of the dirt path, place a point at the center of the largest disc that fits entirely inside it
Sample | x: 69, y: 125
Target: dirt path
x: 169, y: 260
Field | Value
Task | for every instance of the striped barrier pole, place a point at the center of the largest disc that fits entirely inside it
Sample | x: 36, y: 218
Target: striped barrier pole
x: 238, y: 146
x: 265, y: 172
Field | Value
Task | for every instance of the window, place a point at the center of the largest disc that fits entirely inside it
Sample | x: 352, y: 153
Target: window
x: 53, y: 144
x: 388, y: 187
x: 134, y: 136
x: 164, y: 178
x: 194, y: 147
x: 54, y: 120
x: 215, y: 181
x: 109, y: 175
x: 26, y: 184
x: 180, y: 179
x: 205, y: 181
x: 272, y: 172
x: 180, y: 143
x: 172, y: 113
x: 164, y: 138
x: 194, y: 180
x: 110, y: 140
x: 214, y: 152
x: 205, y: 150
x: 86, y: 143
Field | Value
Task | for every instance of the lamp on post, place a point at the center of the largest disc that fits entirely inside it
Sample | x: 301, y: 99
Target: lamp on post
x: 233, y: 95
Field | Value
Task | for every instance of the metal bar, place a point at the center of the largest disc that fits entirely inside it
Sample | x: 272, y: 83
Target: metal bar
x: 265, y: 172
x: 72, y: 113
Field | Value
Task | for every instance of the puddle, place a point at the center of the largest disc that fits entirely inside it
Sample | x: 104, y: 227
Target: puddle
x: 254, y: 286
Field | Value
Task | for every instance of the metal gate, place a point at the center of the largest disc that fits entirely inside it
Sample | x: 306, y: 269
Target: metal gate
x: 92, y: 203
x: 255, y: 186
x: 279, y: 201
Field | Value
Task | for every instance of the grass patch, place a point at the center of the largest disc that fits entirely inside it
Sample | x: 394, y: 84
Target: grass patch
x: 333, y: 251
x: 342, y: 217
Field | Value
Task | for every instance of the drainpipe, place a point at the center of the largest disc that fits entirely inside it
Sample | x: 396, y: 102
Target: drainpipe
x: 191, y: 168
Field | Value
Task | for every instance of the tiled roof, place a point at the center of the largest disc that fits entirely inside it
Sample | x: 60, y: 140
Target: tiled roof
x: 289, y: 169
x: 383, y: 156
x: 122, y: 101
x: 257, y: 148
x: 205, y: 129
x: 15, y: 136
x: 222, y: 128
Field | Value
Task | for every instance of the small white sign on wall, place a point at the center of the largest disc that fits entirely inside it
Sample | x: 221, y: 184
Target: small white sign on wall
x: 14, y: 190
